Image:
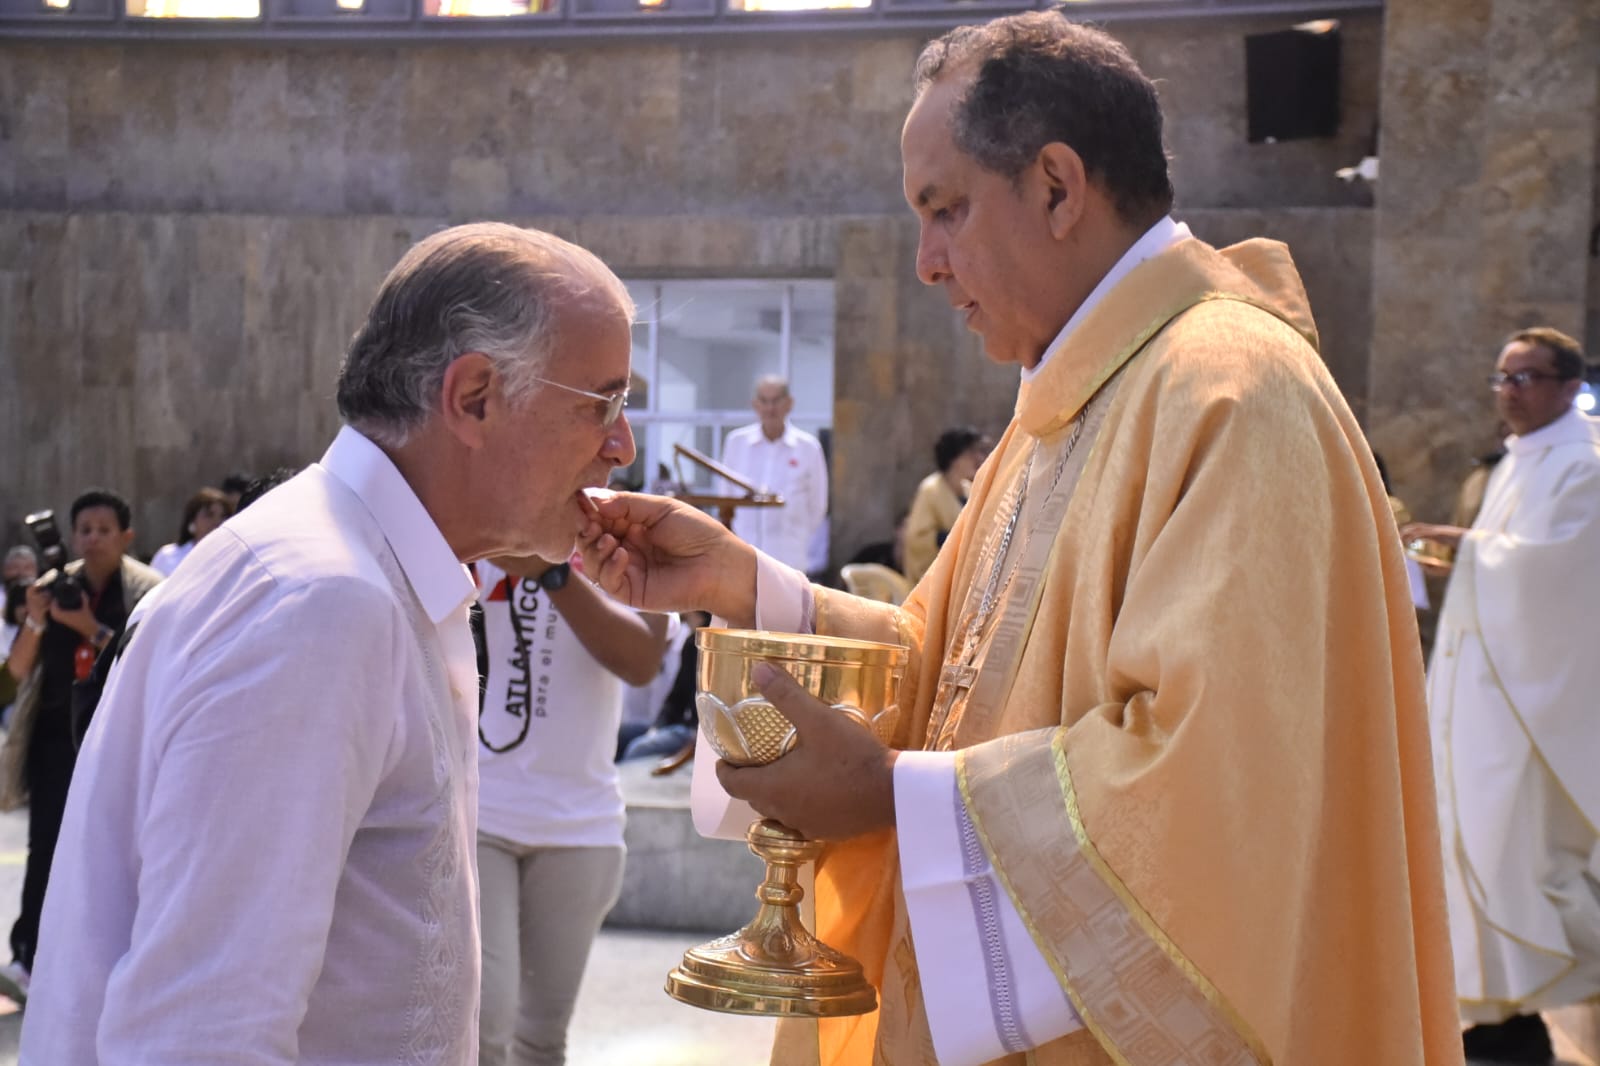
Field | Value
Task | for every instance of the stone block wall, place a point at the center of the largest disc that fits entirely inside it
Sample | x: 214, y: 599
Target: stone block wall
x: 189, y: 234
x: 1486, y: 210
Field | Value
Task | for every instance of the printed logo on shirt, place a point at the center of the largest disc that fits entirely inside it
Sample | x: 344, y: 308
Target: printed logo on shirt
x: 527, y: 683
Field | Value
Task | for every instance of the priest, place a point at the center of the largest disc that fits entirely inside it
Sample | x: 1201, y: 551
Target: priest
x: 1512, y: 692
x: 1161, y: 791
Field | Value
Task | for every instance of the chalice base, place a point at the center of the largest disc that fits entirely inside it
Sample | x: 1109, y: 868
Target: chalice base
x: 774, y: 966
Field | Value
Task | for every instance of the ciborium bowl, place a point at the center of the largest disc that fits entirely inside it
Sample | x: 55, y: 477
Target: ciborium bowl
x: 857, y: 678
x: 774, y: 965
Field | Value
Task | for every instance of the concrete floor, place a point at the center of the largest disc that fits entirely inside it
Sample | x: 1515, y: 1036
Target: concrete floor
x: 623, y: 1017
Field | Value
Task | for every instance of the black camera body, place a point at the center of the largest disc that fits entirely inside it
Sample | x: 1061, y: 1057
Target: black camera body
x: 66, y: 589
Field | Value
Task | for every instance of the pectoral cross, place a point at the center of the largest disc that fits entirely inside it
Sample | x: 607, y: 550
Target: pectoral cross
x: 955, y: 684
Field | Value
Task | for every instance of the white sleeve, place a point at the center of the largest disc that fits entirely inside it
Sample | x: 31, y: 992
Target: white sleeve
x: 272, y: 749
x: 783, y: 597
x: 783, y: 604
x: 988, y: 990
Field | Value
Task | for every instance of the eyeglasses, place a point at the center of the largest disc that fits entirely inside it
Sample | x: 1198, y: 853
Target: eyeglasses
x: 614, y: 402
x: 1521, y: 379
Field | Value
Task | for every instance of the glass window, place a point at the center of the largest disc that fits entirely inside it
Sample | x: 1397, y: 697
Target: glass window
x: 194, y: 9
x: 486, y: 8
x: 796, y: 5
x: 698, y: 349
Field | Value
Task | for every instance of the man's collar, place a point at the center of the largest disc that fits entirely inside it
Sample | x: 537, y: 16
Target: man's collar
x: 440, y: 581
x: 1157, y: 239
x: 1571, y: 425
x: 786, y: 437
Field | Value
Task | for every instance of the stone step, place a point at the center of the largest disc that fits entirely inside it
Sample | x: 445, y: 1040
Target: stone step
x: 675, y: 878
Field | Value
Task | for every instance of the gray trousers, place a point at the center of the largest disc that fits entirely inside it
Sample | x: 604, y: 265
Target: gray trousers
x: 540, y: 910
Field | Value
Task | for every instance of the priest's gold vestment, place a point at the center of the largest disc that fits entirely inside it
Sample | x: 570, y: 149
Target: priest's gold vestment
x: 1202, y: 770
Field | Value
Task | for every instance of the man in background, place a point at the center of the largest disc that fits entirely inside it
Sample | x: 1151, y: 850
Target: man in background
x: 73, y: 614
x: 1512, y: 690
x: 779, y: 458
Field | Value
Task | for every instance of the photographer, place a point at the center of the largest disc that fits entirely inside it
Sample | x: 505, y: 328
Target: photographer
x: 73, y: 612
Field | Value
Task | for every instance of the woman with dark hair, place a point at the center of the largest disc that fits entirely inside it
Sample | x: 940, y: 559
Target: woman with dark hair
x: 958, y: 453
x: 205, y: 511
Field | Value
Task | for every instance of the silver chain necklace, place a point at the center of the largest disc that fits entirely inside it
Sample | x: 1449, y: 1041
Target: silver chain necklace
x: 973, y: 631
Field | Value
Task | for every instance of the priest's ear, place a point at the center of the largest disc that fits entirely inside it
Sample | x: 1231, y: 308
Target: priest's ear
x: 1060, y: 171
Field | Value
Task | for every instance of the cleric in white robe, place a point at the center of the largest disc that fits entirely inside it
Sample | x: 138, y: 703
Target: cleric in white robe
x: 1513, y: 692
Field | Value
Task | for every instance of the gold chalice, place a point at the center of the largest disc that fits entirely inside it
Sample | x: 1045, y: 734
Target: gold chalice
x: 774, y: 965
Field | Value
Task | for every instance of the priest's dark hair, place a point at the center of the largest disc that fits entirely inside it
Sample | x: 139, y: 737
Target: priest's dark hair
x: 1565, y: 352
x: 1042, y: 78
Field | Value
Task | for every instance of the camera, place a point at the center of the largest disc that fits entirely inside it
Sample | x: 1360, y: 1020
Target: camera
x: 65, y: 588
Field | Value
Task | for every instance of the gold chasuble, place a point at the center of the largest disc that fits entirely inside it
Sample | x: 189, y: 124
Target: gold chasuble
x: 1172, y: 640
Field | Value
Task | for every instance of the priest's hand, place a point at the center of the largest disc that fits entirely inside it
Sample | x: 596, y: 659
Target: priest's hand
x: 838, y: 780
x: 1447, y: 536
x: 659, y: 554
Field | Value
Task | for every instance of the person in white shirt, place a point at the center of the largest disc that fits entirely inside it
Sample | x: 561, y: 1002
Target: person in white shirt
x: 205, y: 511
x: 777, y: 457
x: 550, y: 810
x: 1511, y: 697
x: 268, y: 854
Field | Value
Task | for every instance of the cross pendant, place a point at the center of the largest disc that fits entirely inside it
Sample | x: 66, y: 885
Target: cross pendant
x: 955, y: 682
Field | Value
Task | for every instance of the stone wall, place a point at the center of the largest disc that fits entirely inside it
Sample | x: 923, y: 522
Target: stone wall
x: 190, y: 233
x: 1486, y: 209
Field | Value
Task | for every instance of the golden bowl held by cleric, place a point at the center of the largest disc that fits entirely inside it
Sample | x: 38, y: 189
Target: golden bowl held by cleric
x: 858, y: 678
x: 774, y: 965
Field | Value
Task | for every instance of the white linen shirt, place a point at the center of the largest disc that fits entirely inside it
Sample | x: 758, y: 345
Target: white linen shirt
x: 792, y: 466
x: 268, y: 854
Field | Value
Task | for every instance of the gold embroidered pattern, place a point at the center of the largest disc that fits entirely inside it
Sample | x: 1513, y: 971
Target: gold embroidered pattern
x: 1136, y: 992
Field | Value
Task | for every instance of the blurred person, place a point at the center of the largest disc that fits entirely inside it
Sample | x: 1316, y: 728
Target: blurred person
x: 72, y: 614
x: 1511, y: 692
x: 550, y: 810
x: 641, y: 702
x: 21, y: 566
x: 234, y: 486
x: 205, y: 511
x: 16, y: 614
x: 779, y: 458
x: 891, y: 552
x: 957, y: 454
x: 672, y: 733
x: 1160, y: 790
x: 1469, y: 497
x: 270, y: 851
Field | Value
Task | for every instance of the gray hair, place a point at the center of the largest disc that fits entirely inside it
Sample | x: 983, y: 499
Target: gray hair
x: 485, y: 287
x: 771, y: 379
x: 22, y: 551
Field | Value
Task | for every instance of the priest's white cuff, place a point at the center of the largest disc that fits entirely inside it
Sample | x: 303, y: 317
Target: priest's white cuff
x: 988, y: 990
